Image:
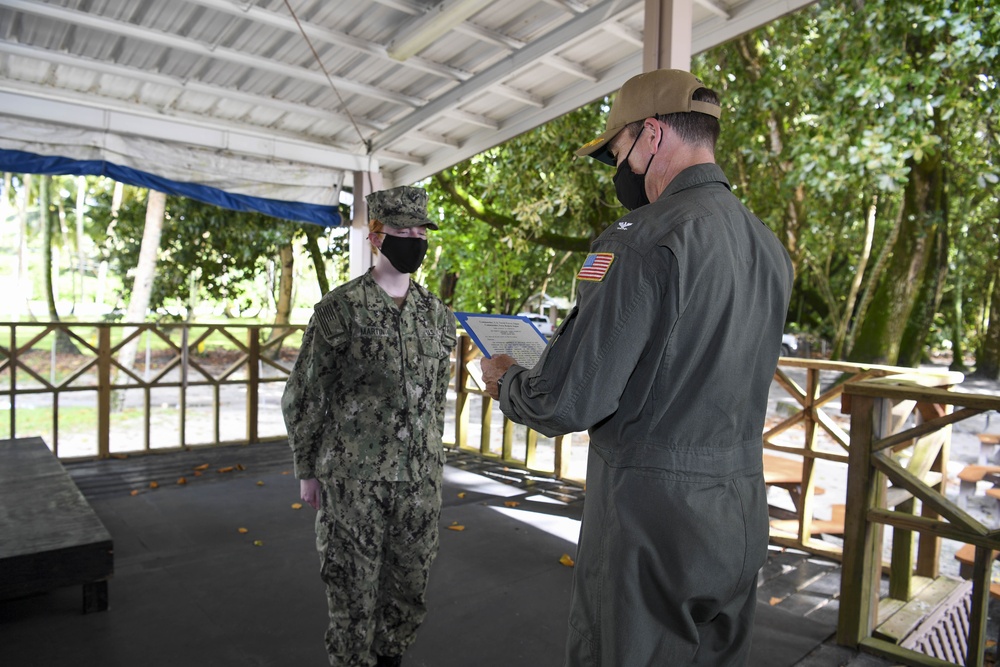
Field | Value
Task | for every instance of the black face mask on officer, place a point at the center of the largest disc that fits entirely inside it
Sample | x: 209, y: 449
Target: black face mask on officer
x: 405, y: 253
x: 630, y: 186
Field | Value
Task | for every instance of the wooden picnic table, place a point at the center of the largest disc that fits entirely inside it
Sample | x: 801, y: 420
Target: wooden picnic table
x: 51, y: 536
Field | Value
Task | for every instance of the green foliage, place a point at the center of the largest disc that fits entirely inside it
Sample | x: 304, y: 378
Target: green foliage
x: 206, y: 252
x: 518, y: 219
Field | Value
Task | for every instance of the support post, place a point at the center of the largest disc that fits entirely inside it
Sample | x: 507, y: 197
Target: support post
x: 667, y: 30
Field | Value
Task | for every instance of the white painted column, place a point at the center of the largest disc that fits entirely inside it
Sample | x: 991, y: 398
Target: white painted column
x: 667, y: 36
x: 360, y: 250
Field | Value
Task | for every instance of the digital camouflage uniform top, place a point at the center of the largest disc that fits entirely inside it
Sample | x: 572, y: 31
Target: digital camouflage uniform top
x: 344, y: 411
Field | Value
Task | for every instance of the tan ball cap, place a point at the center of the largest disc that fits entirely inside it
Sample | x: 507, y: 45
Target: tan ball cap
x: 644, y: 96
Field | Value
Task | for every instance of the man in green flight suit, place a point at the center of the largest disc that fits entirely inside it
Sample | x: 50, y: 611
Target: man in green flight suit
x: 364, y: 410
x: 667, y: 359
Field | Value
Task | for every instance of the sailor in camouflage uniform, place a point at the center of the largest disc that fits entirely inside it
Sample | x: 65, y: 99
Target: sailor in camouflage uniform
x: 364, y: 411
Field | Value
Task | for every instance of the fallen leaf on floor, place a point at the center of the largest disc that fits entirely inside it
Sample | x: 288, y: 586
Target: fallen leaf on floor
x: 296, y: 506
x: 461, y: 494
x: 197, y: 473
x: 775, y: 601
x: 226, y: 469
x: 456, y: 526
x: 258, y: 543
x: 260, y: 482
x: 243, y: 531
x: 154, y: 485
x: 284, y: 472
x: 990, y: 643
x: 134, y: 492
x: 566, y: 560
x: 511, y: 503
x: 181, y: 480
x: 203, y: 466
x: 239, y: 466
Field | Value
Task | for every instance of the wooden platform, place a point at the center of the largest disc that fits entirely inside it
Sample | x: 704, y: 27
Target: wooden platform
x: 51, y: 536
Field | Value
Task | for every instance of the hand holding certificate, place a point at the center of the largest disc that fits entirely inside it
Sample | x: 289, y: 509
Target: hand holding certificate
x: 505, y: 334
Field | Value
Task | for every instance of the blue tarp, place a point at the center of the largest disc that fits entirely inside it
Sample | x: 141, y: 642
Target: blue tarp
x: 32, y: 163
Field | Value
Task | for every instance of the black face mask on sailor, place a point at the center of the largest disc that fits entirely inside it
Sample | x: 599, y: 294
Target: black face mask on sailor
x: 405, y: 253
x: 630, y: 186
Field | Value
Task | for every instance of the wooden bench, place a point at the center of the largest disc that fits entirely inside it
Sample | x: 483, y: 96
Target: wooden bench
x: 786, y: 473
x: 50, y: 537
x: 988, y: 443
x: 969, y: 477
x: 966, y: 556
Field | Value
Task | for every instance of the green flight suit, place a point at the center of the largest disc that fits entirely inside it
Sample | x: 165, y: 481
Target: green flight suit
x: 667, y: 360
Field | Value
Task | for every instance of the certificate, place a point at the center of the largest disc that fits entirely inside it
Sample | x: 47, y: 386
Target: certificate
x: 505, y: 334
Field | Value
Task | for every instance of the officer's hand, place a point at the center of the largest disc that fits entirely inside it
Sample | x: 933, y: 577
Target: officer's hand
x: 493, y: 370
x: 309, y: 491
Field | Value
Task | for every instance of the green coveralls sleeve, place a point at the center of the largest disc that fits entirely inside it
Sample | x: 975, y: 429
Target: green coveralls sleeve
x: 580, y: 378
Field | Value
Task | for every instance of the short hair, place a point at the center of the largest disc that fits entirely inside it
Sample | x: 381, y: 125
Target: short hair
x: 375, y: 227
x: 692, y: 127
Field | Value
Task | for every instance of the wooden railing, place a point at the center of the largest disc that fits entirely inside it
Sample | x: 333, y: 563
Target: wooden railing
x: 512, y: 445
x: 68, y: 373
x: 900, y: 434
x: 812, y: 434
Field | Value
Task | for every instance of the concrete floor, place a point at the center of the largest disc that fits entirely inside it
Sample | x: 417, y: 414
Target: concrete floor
x: 191, y: 589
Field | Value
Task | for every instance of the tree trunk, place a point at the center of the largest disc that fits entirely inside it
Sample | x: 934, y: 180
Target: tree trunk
x: 64, y: 344
x: 319, y: 262
x: 896, y: 296
x: 145, y: 271
x: 283, y: 310
x: 866, y: 252
x: 913, y: 346
x: 988, y: 358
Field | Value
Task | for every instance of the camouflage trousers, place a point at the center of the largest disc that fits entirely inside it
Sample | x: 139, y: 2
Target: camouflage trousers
x: 376, y: 542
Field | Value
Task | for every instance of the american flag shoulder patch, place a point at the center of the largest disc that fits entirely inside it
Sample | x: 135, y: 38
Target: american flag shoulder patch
x: 596, y: 266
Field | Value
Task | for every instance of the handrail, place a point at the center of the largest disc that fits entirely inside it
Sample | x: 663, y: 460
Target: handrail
x: 880, y: 432
x: 29, y: 374
x: 813, y: 419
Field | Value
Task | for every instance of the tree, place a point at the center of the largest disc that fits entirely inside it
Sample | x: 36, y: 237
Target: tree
x: 516, y: 220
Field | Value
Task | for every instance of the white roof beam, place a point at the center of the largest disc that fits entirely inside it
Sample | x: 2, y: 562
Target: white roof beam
x: 490, y: 36
x: 518, y: 95
x: 634, y: 37
x: 438, y: 139
x: 714, y: 7
x: 473, y: 119
x: 326, y: 35
x: 575, y: 69
x: 87, y: 113
x: 556, y: 40
x: 144, y: 76
x: 133, y: 31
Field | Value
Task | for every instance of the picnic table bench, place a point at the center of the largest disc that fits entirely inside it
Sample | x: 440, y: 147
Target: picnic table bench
x: 50, y: 536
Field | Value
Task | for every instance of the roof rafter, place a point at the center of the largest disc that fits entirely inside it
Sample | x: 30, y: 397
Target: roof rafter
x: 132, y: 31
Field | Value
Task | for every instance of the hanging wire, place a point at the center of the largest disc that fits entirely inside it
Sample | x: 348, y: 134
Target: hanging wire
x: 367, y: 143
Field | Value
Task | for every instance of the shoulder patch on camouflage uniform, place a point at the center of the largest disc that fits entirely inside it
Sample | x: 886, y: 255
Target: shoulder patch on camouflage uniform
x: 329, y: 324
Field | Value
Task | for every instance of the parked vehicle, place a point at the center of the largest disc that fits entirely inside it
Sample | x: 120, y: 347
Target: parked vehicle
x: 541, y: 322
x: 789, y: 345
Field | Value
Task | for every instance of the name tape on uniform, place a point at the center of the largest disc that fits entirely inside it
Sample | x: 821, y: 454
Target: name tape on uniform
x: 596, y: 266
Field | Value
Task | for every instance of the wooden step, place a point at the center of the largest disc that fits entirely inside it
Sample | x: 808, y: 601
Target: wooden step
x: 899, y: 626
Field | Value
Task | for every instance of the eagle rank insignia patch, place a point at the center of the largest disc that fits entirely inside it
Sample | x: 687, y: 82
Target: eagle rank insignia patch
x: 596, y: 266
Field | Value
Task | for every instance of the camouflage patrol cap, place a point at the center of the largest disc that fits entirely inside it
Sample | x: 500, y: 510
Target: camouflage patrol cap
x: 405, y: 206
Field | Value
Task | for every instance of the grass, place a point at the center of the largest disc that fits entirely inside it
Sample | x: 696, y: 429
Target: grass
x: 76, y: 419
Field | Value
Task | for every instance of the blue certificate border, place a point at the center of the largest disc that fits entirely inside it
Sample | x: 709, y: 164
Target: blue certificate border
x: 463, y: 318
